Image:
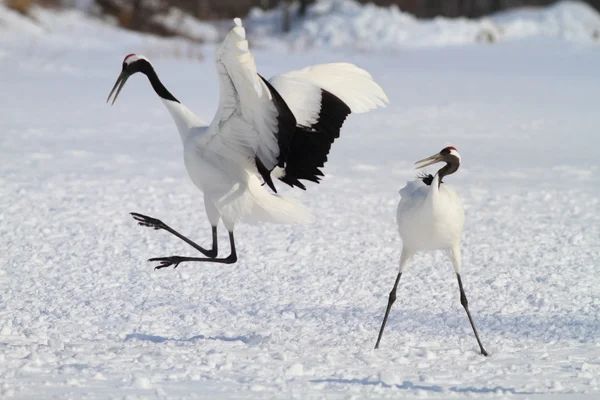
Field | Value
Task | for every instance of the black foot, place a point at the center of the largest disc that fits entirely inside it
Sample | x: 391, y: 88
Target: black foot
x: 484, y: 353
x: 150, y: 222
x: 211, y: 253
x: 168, y: 261
x: 176, y: 260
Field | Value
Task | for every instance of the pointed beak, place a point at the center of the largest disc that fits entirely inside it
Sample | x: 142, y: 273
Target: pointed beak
x: 120, y: 83
x: 429, y: 160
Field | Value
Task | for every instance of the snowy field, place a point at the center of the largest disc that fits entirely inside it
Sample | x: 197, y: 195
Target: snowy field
x: 83, y: 315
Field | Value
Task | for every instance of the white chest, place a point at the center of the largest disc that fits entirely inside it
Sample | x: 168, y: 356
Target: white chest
x: 428, y: 220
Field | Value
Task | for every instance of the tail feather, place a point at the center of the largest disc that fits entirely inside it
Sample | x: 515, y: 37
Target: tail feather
x: 268, y: 207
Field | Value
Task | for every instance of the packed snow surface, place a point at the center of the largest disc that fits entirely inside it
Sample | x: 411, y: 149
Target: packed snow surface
x: 83, y: 315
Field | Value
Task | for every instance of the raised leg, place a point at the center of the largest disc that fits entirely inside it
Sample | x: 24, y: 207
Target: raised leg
x: 165, y: 262
x: 465, y: 304
x: 157, y: 224
x: 392, y: 298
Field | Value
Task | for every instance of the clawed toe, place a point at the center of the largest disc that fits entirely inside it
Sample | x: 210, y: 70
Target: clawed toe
x: 165, y: 262
x: 150, y: 222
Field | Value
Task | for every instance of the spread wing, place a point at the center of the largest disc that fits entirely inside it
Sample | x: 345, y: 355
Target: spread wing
x: 321, y: 97
x: 354, y: 86
x: 249, y: 124
x: 290, y: 121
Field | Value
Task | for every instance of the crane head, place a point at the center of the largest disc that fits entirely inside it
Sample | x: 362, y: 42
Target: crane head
x: 448, y: 154
x: 132, y: 63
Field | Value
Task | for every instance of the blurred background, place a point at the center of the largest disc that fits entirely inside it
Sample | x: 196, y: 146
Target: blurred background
x: 177, y: 17
x: 135, y: 14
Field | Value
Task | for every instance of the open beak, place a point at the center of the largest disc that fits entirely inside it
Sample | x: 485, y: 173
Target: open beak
x: 429, y: 160
x: 120, y: 83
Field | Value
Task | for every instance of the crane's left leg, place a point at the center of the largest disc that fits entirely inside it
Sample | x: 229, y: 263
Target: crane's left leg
x: 176, y: 260
x: 454, y: 255
x: 465, y: 304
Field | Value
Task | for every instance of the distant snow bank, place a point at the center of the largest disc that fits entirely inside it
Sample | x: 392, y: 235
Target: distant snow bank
x: 48, y: 30
x: 569, y: 20
x: 349, y: 24
x: 341, y: 24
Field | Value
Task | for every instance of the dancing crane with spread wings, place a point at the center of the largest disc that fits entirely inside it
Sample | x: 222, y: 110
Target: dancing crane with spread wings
x: 280, y: 128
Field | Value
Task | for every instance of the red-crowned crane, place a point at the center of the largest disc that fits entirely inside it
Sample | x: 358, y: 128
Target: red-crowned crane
x: 430, y: 216
x: 263, y: 129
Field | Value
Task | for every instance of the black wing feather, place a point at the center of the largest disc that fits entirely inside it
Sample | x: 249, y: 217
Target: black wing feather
x: 304, y: 149
x: 286, y: 129
x: 311, y: 144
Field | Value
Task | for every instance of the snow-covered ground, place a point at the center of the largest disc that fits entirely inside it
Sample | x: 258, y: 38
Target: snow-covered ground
x: 82, y: 314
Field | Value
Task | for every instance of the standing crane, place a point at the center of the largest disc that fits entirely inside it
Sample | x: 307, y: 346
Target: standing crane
x: 279, y: 128
x: 430, y: 216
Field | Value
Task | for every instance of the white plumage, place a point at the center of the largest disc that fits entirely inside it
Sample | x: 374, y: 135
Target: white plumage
x: 431, y: 216
x: 354, y: 86
x: 284, y: 126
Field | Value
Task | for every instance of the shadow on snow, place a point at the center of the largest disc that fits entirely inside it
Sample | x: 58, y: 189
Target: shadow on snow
x: 249, y: 339
x: 432, y: 323
x: 430, y: 388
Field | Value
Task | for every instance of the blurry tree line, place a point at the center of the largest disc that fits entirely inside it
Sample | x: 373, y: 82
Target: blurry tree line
x: 463, y: 8
x: 219, y: 9
x: 139, y: 14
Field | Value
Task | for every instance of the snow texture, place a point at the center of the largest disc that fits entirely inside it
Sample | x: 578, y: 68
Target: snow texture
x: 83, y: 315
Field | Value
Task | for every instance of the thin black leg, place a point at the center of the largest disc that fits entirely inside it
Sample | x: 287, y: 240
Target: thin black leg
x: 157, y: 224
x: 391, y: 301
x: 465, y: 304
x: 176, y: 260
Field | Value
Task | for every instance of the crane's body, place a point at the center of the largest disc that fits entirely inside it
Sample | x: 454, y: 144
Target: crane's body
x: 430, y: 217
x: 280, y: 128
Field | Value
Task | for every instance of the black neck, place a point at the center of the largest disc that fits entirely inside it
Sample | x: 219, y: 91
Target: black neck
x: 157, y: 85
x: 448, y: 169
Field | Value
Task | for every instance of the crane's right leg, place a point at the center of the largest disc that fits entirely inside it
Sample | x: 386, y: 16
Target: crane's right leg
x: 176, y: 260
x: 392, y: 298
x: 157, y: 224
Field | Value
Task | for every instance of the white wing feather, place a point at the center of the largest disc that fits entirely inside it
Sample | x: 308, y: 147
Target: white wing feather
x: 351, y: 84
x: 245, y: 124
x: 246, y: 121
x: 302, y: 97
